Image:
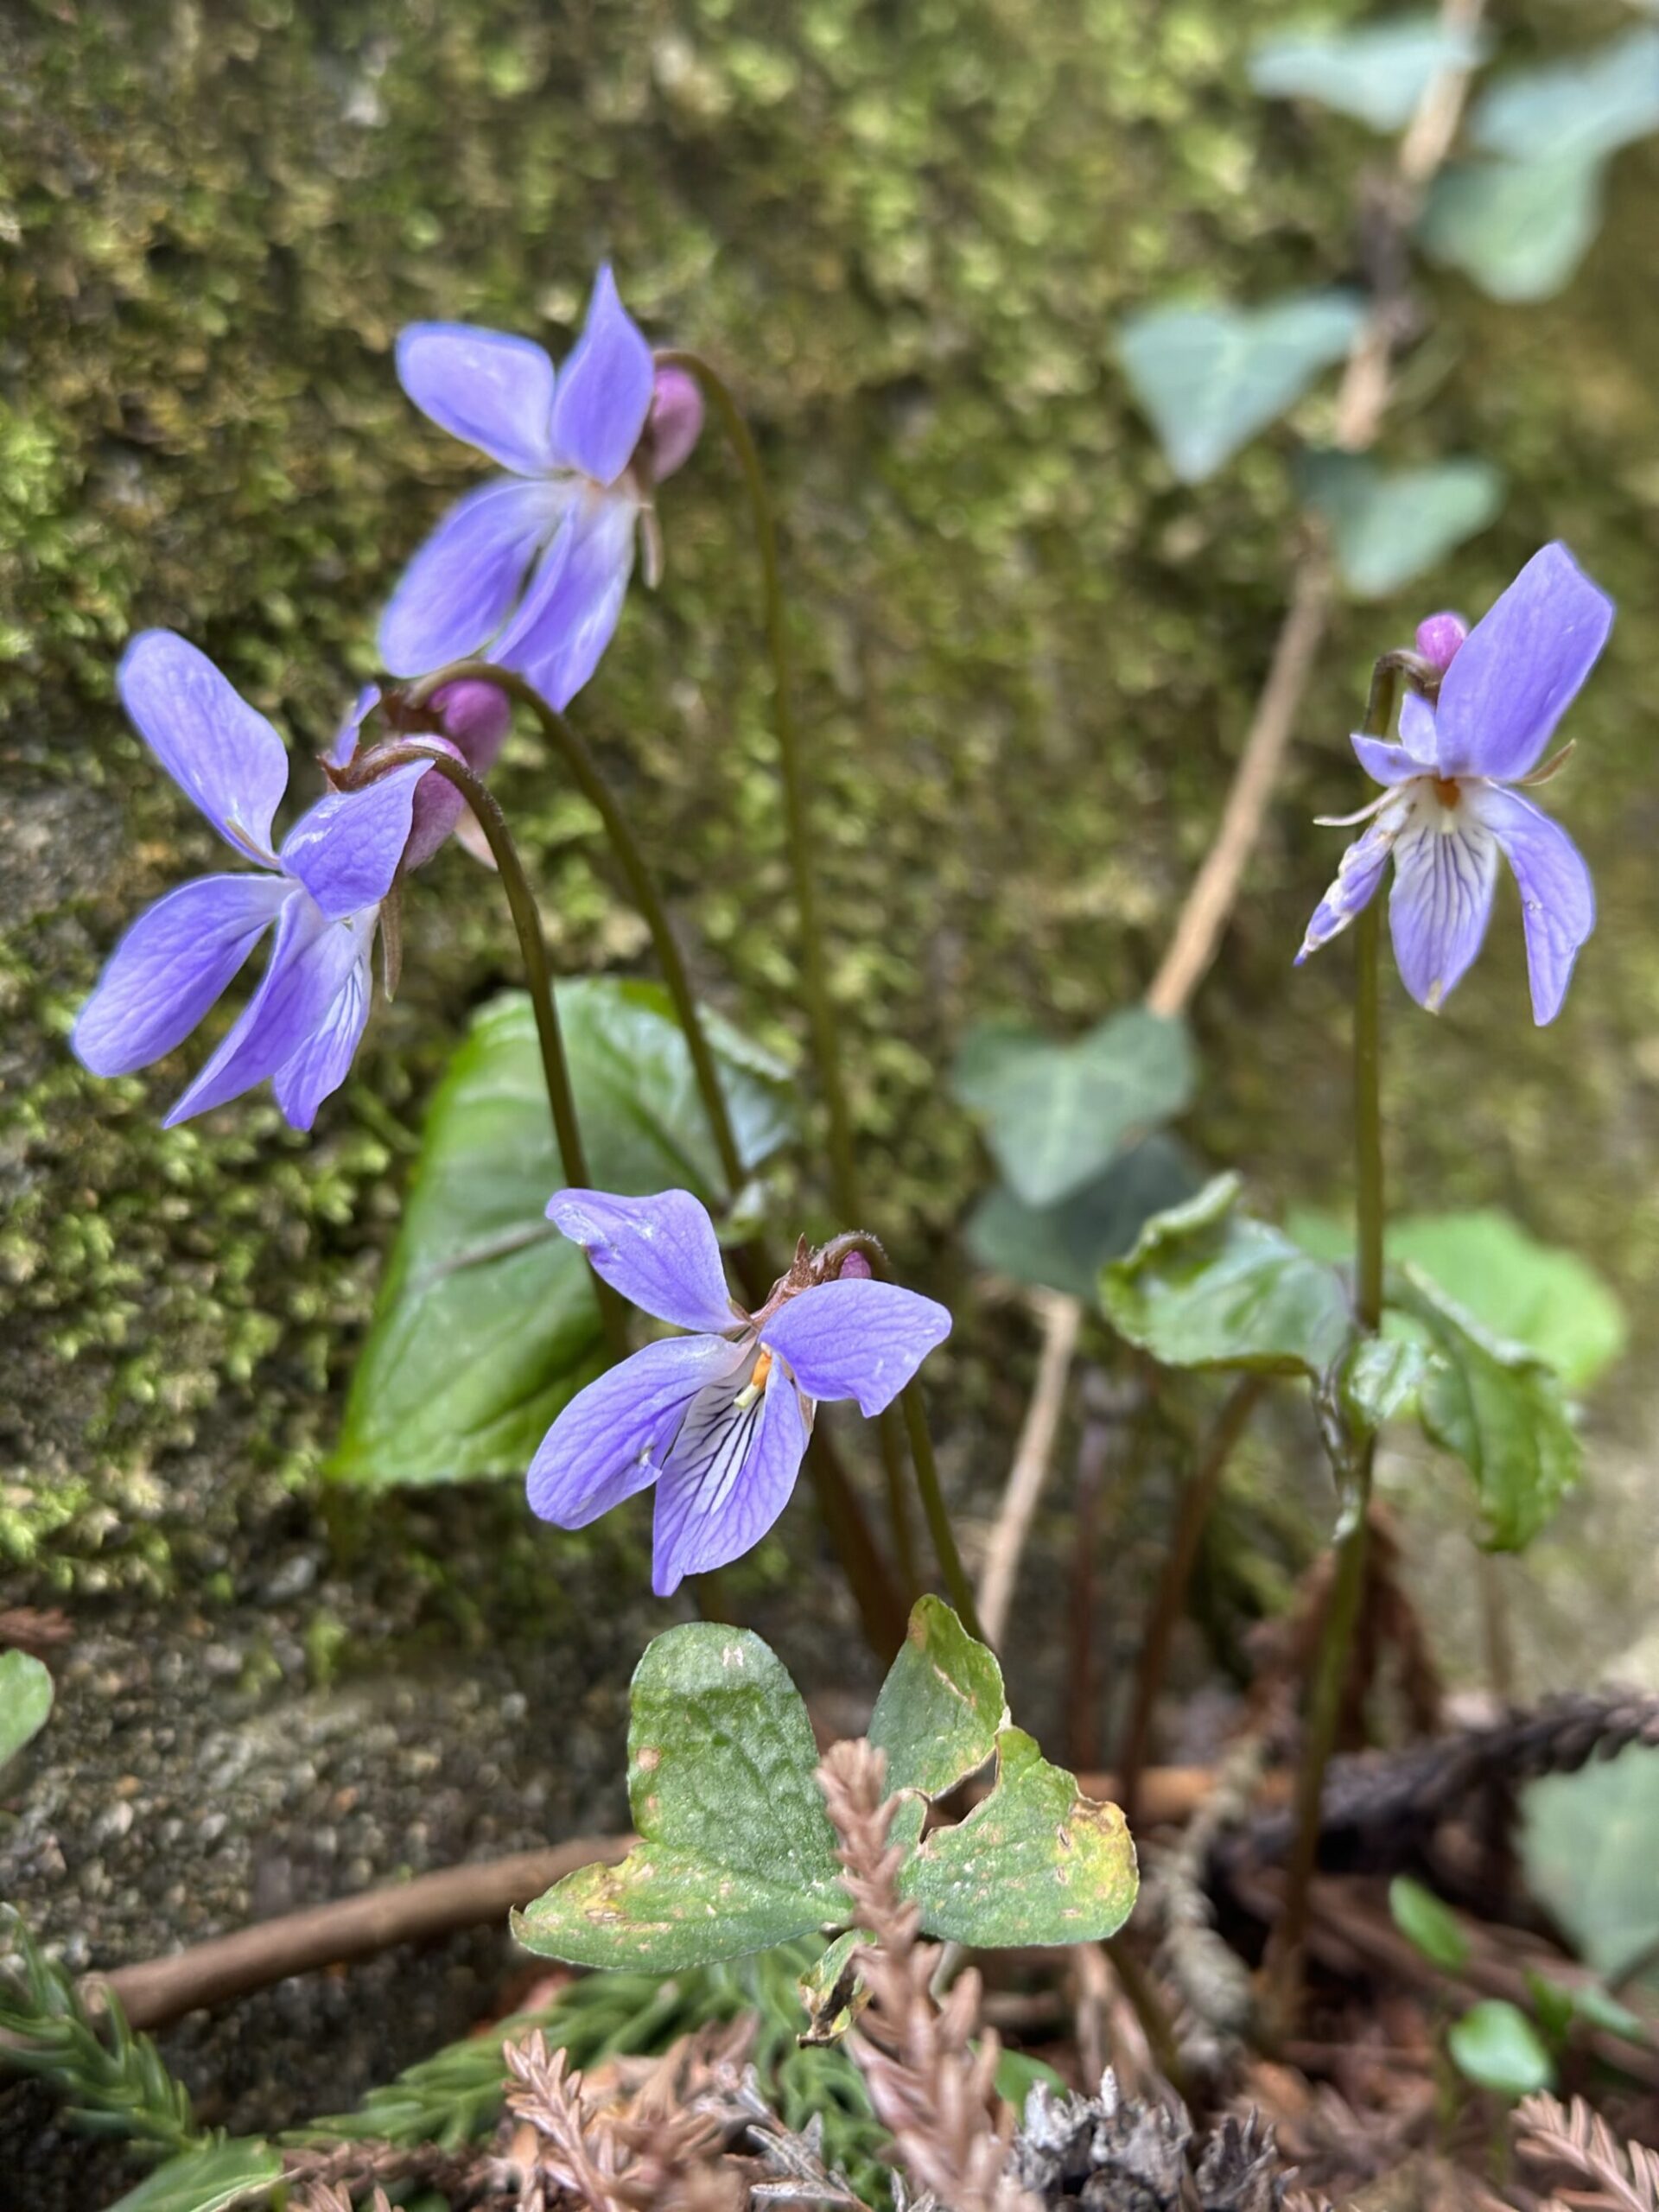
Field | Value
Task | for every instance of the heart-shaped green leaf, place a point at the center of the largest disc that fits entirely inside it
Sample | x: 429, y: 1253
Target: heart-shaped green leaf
x: 1207, y: 1286
x: 737, y: 1851
x: 1517, y: 229
x: 1065, y: 1247
x: 1209, y: 377
x: 1388, y: 527
x: 939, y: 1711
x: 26, y: 1700
x: 1496, y: 2046
x: 1586, y: 1854
x: 1034, y: 1863
x: 1054, y: 1116
x: 1377, y: 72
x: 1551, y: 1300
x: 1424, y: 1921
x: 1498, y: 1407
x: 1581, y: 110
x: 485, y: 1324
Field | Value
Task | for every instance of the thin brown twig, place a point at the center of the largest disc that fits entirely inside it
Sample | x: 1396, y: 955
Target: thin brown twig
x: 1169, y: 1601
x: 1061, y: 1318
x: 162, y: 1990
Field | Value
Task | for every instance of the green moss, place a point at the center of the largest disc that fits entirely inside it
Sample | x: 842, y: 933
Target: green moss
x: 1026, y: 658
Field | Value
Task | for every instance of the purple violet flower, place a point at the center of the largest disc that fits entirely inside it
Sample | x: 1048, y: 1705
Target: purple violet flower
x: 321, y: 892
x: 534, y: 565
x: 1452, y: 802
x: 718, y: 1419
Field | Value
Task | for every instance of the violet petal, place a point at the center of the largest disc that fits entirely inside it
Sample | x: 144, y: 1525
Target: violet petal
x: 660, y: 1252
x: 854, y: 1338
x: 487, y: 387
x: 217, y: 749
x: 171, y: 966
x: 1520, y: 669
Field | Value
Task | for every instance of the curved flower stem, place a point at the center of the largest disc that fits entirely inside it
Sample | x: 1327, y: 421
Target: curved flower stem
x: 1192, y: 1516
x: 642, y: 889
x: 938, y: 1521
x: 880, y: 1608
x: 1330, y: 1676
x: 403, y: 752
x: 820, y: 1009
x: 921, y: 1452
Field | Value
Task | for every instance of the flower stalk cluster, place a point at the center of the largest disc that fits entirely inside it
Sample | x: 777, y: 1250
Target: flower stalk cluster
x: 514, y: 600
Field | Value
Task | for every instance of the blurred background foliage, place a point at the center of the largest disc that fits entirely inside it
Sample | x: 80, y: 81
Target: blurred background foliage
x: 1027, y: 655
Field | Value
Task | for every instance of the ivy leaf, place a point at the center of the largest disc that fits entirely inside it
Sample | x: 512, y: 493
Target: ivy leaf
x: 1540, y: 1295
x: 939, y: 1711
x: 208, y: 2179
x: 1054, y: 1116
x: 1377, y: 72
x: 486, y: 1324
x: 1586, y: 1852
x: 1520, y: 224
x: 1422, y: 1919
x: 1065, y: 1247
x: 1388, y: 527
x: 1034, y: 1863
x: 737, y: 1851
x: 1208, y: 1287
x: 1380, y: 1379
x: 832, y: 1991
x: 1497, y: 1407
x: 1578, y: 111
x: 1496, y: 2046
x: 25, y: 1701
x: 1517, y: 229
x: 1209, y: 377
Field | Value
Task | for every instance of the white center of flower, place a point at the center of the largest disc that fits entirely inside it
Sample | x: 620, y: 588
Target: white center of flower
x: 756, y: 1383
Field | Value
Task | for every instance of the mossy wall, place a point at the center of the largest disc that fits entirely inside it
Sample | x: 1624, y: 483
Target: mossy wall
x: 1026, y: 658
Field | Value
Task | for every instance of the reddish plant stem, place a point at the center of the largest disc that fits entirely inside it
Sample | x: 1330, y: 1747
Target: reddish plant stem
x: 1197, y: 1499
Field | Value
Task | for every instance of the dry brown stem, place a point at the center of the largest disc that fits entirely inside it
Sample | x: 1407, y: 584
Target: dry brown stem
x: 161, y: 1990
x: 1061, y: 1318
x: 934, y: 2095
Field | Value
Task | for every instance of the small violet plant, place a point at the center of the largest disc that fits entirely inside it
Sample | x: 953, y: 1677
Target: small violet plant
x: 1452, y: 796
x: 321, y: 892
x: 534, y: 565
x: 718, y: 1419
